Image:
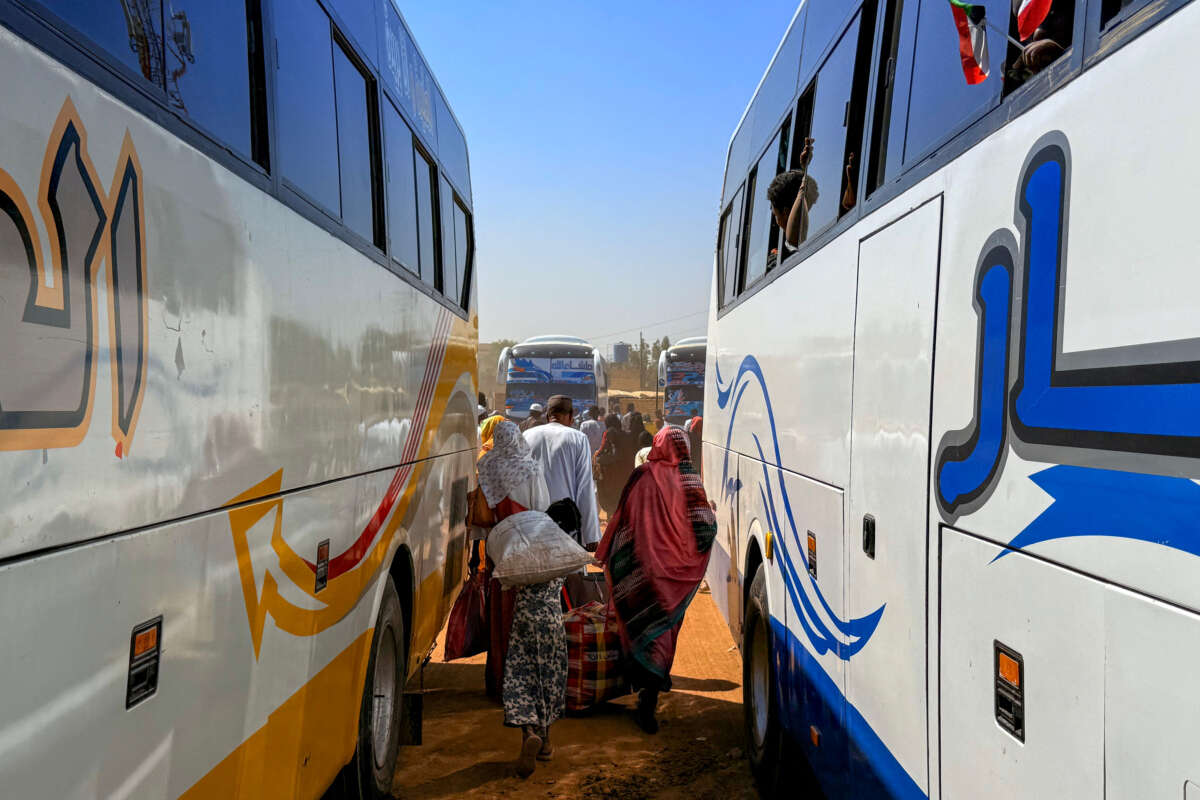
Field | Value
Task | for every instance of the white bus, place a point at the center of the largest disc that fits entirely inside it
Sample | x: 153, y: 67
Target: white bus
x: 681, y: 380
x: 952, y: 436
x: 542, y: 366
x: 237, y: 394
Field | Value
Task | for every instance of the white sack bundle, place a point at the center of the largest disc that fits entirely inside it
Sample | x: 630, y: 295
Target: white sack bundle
x: 529, y: 547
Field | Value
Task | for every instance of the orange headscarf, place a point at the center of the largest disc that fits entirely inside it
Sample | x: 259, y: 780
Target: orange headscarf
x: 486, y: 429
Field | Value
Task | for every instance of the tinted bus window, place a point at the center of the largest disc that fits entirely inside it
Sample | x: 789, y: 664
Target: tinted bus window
x: 308, y: 147
x: 828, y: 131
x: 824, y: 20
x: 452, y: 146
x: 449, y: 257
x: 463, y: 249
x: 132, y: 37
x: 758, y: 221
x: 728, y: 243
x: 426, y: 183
x: 354, y: 145
x: 209, y: 56
x: 401, y: 191
x: 779, y: 86
x: 358, y: 20
x: 408, y: 76
x: 941, y: 98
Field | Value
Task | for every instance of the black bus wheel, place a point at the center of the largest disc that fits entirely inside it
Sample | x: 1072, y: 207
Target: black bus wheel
x: 764, y: 743
x: 380, y: 716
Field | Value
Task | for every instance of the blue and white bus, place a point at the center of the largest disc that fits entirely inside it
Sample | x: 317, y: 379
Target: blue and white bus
x: 542, y: 366
x: 952, y: 436
x: 681, y: 380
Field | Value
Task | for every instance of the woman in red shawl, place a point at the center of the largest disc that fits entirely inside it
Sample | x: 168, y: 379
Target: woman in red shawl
x: 655, y: 551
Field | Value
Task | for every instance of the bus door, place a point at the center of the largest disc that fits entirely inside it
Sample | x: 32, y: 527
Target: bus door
x: 887, y: 524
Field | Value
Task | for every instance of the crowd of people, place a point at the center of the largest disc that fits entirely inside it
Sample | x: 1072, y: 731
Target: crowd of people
x: 654, y: 551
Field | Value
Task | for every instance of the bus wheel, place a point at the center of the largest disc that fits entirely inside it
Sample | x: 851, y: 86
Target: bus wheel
x: 379, y: 718
x: 759, y: 702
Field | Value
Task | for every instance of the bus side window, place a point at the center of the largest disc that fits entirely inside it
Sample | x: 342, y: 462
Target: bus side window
x: 727, y: 249
x: 214, y: 71
x: 451, y: 280
x: 464, y: 249
x: 427, y: 219
x: 941, y: 101
x: 132, y: 36
x: 304, y: 108
x: 401, y: 191
x: 830, y: 119
x: 358, y: 156
x: 888, y: 115
x: 758, y: 215
x: 1043, y: 46
x: 744, y: 231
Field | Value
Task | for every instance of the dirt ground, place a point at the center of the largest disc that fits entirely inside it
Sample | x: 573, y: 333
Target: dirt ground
x: 697, y: 754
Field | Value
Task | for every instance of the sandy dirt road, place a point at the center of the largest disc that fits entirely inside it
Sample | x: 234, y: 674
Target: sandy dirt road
x: 697, y: 754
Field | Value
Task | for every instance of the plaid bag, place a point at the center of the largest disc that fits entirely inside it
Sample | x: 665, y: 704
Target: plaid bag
x: 594, y: 669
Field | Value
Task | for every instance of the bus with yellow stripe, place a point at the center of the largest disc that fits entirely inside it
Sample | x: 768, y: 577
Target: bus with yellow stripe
x: 237, y: 394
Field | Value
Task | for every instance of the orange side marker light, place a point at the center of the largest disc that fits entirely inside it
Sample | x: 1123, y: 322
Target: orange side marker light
x: 1009, y: 670
x: 145, y: 641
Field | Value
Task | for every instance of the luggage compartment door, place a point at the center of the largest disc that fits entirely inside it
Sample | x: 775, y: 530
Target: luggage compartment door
x: 889, y: 490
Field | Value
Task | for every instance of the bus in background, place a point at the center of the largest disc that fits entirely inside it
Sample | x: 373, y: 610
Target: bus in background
x: 952, y: 428
x: 540, y: 367
x: 681, y: 379
x: 237, y: 409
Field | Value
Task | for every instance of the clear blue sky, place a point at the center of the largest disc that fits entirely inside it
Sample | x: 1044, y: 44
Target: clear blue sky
x: 597, y: 134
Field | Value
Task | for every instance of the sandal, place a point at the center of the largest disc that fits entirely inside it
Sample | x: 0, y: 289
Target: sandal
x: 527, y: 762
x: 547, y: 751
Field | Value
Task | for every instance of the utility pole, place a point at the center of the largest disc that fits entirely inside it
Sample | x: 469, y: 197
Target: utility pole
x: 641, y: 361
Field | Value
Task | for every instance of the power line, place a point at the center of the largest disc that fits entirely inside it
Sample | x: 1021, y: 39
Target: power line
x: 648, y: 325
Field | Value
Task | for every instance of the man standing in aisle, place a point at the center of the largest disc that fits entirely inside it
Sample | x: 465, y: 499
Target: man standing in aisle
x: 593, y: 428
x: 534, y: 419
x: 566, y: 458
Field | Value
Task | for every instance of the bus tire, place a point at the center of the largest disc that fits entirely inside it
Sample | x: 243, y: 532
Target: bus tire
x: 764, y: 739
x: 380, y: 719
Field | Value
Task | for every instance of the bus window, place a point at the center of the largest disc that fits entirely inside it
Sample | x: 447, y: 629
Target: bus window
x: 356, y: 148
x: 304, y: 108
x: 758, y: 215
x: 1043, y: 46
x: 1111, y: 10
x: 885, y: 160
x: 358, y: 17
x: 214, y: 69
x: 426, y: 219
x: 450, y: 276
x: 132, y: 37
x: 464, y: 249
x: 825, y: 18
x: 941, y: 100
x: 401, y: 191
x: 831, y: 113
x: 727, y: 244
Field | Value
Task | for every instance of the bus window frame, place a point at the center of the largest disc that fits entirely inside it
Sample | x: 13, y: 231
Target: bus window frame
x: 39, y: 28
x: 1127, y: 26
x: 1089, y: 46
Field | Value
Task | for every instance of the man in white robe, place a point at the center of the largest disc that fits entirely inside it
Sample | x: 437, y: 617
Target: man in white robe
x: 566, y: 458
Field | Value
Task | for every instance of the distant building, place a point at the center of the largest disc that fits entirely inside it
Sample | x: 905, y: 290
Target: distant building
x: 621, y: 351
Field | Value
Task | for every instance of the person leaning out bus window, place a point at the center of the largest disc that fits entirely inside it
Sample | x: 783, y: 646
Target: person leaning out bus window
x: 791, y: 195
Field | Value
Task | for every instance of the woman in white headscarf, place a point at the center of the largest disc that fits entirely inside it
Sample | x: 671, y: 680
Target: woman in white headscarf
x: 527, y: 652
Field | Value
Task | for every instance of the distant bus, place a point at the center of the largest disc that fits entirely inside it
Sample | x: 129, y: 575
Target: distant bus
x: 953, y: 436
x: 543, y: 366
x: 681, y: 380
x: 237, y: 394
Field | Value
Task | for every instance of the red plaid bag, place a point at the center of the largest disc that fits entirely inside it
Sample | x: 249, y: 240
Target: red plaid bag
x: 594, y: 669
